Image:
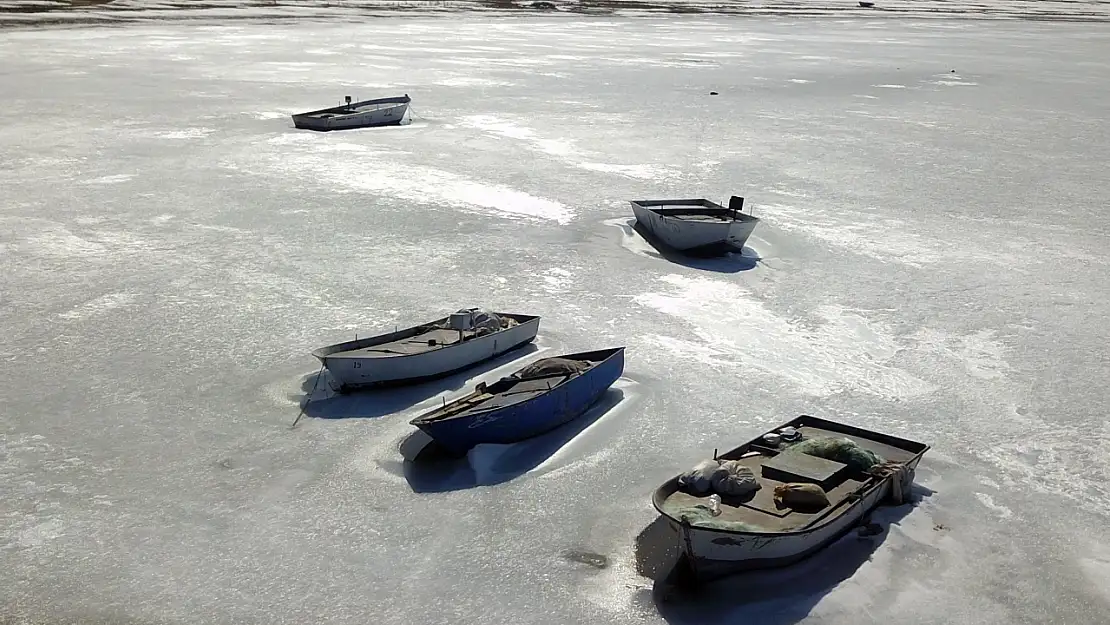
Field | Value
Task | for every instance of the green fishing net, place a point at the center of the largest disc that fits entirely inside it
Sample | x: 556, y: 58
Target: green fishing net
x: 842, y: 450
x: 700, y: 516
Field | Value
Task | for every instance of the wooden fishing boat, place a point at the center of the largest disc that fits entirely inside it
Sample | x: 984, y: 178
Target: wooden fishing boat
x: 365, y: 114
x: 697, y: 227
x: 856, y: 469
x: 536, y: 399
x: 427, y: 351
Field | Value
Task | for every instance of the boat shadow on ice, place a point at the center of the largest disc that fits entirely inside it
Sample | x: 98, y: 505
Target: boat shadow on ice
x: 429, y: 468
x: 647, y: 245
x: 321, y: 401
x: 779, y: 596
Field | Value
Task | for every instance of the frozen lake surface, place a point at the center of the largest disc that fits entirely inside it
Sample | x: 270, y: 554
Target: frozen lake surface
x: 932, y: 263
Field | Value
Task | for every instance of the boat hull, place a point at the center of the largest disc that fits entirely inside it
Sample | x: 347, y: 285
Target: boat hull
x: 695, y: 238
x: 711, y: 554
x: 388, y: 116
x: 708, y: 553
x: 518, y: 422
x: 354, y: 373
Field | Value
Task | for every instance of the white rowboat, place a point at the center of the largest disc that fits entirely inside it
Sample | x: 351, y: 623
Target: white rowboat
x: 696, y: 227
x: 427, y: 351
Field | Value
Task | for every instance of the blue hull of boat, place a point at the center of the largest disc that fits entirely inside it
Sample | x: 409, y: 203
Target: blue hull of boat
x: 531, y: 418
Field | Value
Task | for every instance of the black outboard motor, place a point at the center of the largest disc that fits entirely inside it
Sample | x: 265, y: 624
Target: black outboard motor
x: 736, y: 204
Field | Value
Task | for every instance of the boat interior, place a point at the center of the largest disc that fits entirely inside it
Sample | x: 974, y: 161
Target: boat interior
x: 699, y: 210
x: 421, y: 339
x: 352, y: 110
x: 773, y: 465
x: 513, y: 389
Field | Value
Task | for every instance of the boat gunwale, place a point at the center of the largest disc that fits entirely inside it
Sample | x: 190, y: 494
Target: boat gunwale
x: 814, y: 524
x: 328, y: 351
x: 399, y: 100
x: 711, y: 208
x: 430, y: 415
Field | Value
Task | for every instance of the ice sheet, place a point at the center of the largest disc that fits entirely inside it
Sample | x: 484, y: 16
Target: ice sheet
x: 931, y: 262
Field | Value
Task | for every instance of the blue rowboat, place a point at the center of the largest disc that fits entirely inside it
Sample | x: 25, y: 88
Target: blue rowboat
x: 536, y: 399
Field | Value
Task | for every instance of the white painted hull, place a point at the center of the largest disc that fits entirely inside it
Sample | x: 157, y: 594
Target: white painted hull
x: 352, y: 372
x: 684, y: 235
x: 385, y: 116
x: 738, y: 233
x: 715, y: 553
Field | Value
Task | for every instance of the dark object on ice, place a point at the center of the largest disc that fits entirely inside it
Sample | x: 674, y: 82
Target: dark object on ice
x: 865, y: 4
x: 870, y: 529
x: 595, y: 560
x: 712, y: 93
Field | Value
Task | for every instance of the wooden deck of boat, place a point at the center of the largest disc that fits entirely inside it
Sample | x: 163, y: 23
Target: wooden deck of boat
x: 760, y: 510
x: 485, y: 402
x: 416, y: 344
x: 351, y: 110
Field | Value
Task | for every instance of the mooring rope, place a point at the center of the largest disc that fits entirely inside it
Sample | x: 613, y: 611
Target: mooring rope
x: 310, y: 394
x: 897, y: 472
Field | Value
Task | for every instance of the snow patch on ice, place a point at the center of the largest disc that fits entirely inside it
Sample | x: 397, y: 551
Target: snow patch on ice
x: 99, y: 306
x: 384, y: 173
x: 701, y: 352
x: 883, y: 239
x: 510, y: 130
x: 267, y: 114
x: 114, y: 179
x: 188, y: 133
x: 1049, y: 457
x: 630, y: 240
x: 844, y: 351
x: 40, y: 534
x: 472, y: 81
x: 54, y: 240
x: 639, y: 172
x: 557, y: 279
x: 426, y: 183
x: 1097, y: 569
x: 981, y: 355
x: 988, y: 501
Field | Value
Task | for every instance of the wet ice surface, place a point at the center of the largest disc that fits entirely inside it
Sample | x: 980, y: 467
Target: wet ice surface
x: 931, y: 263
